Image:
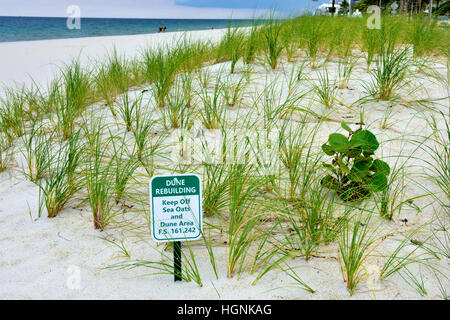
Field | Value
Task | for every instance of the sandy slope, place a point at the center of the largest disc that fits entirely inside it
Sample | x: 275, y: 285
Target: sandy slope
x: 36, y: 254
x: 20, y: 61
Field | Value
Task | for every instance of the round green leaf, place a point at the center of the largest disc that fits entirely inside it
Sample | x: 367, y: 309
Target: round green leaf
x: 353, y: 153
x: 381, y: 167
x: 361, y: 167
x: 377, y: 182
x: 366, y: 140
x: 338, y: 142
x: 328, y: 150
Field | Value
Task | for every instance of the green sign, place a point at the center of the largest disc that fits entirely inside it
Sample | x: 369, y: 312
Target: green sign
x: 176, y: 208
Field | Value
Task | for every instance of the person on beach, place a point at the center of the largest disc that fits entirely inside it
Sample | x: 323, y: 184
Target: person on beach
x: 162, y: 29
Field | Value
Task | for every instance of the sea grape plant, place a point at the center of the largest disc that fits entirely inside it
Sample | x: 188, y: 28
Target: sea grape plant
x: 354, y: 173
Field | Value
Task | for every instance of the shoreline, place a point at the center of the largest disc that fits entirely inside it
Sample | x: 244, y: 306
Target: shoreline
x: 112, y: 36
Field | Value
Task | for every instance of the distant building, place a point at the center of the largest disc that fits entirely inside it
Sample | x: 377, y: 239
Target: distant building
x: 326, y: 7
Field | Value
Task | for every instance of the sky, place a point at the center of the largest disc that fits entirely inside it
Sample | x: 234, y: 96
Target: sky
x: 189, y: 9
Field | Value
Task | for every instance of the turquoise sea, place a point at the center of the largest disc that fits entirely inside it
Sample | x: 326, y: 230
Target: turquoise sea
x: 36, y: 28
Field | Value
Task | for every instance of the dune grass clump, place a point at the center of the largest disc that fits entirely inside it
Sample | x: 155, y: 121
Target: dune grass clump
x: 63, y: 179
x: 273, y: 45
x: 5, y: 145
x: 43, y: 104
x: 74, y: 96
x: 178, y: 113
x: 190, y: 271
x: 391, y: 33
x: 345, y: 69
x: 297, y: 157
x: 187, y: 87
x: 160, y: 67
x: 438, y: 147
x: 325, y: 89
x: 441, y: 155
x: 311, y: 221
x: 394, y: 197
x: 215, y: 198
x: 230, y: 48
x: 294, y: 77
x: 13, y: 114
x: 333, y: 38
x: 390, y: 74
x: 389, y: 201
x: 242, y: 221
x: 191, y: 55
x: 313, y: 38
x: 370, y: 43
x: 204, y: 78
x: 276, y: 257
x: 233, y: 91
x: 213, y: 109
x: 356, y: 242
x: 6, y: 142
x: 422, y: 35
x: 290, y: 40
x: 251, y: 45
x: 274, y: 104
x: 34, y: 100
x: 147, y: 142
x: 346, y: 38
x: 141, y: 132
x: 195, y: 55
x: 123, y: 167
x: 127, y: 109
x: 38, y: 152
x: 98, y: 176
x: 113, y: 78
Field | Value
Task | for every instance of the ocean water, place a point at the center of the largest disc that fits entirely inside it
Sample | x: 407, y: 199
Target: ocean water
x: 35, y: 28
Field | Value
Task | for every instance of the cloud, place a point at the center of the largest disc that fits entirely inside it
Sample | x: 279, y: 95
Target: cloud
x: 126, y: 9
x: 286, y: 7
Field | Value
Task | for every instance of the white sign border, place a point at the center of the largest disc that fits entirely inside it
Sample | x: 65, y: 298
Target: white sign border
x: 200, y: 200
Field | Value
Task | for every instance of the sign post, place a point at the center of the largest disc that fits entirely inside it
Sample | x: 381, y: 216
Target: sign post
x: 176, y: 212
x: 177, y: 261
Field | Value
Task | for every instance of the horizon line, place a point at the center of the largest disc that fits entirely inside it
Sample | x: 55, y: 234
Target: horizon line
x: 88, y: 17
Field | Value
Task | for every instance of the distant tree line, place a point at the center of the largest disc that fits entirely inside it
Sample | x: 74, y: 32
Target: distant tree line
x: 440, y: 7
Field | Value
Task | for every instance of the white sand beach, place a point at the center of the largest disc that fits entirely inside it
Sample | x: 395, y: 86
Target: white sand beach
x: 40, y: 257
x: 24, y: 62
